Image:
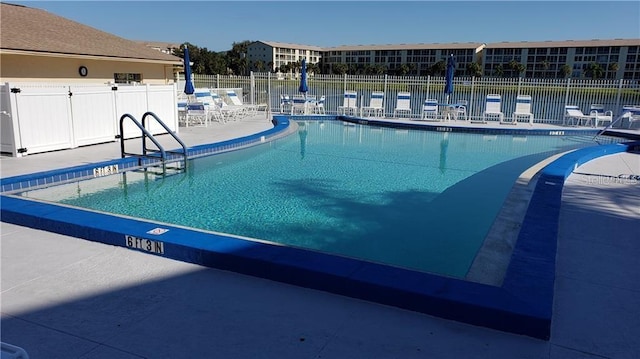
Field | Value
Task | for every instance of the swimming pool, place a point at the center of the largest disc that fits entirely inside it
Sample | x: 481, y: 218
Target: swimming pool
x: 522, y: 304
x: 419, y: 200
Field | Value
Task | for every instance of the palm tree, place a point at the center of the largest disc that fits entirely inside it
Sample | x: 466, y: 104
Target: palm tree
x: 613, y: 69
x: 594, y: 70
x: 474, y: 69
x: 439, y: 68
x: 498, y: 71
x: 565, y: 71
x: 339, y: 69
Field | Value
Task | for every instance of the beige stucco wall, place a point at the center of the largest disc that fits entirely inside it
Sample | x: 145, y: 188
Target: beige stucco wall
x: 18, y: 67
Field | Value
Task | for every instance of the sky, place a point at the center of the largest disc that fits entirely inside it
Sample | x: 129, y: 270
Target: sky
x: 216, y: 25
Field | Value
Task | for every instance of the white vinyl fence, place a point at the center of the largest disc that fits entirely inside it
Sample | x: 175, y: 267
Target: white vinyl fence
x: 39, y: 117
x: 549, y: 96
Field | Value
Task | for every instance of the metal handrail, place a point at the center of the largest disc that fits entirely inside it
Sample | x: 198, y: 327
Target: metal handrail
x: 144, y: 143
x: 145, y: 134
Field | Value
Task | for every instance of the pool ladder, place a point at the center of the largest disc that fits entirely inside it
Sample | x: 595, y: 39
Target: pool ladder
x: 158, y: 153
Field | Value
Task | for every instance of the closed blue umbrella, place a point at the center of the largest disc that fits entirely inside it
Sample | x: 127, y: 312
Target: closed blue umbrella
x: 188, y: 85
x: 303, y: 79
x: 451, y: 69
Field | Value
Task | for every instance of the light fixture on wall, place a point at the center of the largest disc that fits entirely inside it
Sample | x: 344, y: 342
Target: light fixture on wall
x: 82, y: 70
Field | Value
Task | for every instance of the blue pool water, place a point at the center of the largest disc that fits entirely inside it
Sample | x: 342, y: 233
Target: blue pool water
x: 415, y: 199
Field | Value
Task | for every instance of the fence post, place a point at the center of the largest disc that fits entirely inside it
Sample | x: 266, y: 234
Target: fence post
x: 618, y: 104
x: 471, y: 96
x: 566, y: 100
x: 252, y: 87
x: 386, y: 100
x: 345, y: 82
x: 217, y: 81
x: 268, y: 111
x: 519, y: 85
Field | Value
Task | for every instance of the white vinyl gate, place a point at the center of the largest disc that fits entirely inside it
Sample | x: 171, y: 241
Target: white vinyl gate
x: 40, y: 117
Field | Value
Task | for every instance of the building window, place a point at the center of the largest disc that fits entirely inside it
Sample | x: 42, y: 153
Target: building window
x: 123, y: 78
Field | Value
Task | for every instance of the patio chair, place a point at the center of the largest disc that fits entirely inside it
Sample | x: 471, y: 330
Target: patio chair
x: 403, y: 104
x: 573, y: 116
x: 492, y: 108
x: 298, y: 105
x: 630, y: 116
x: 523, y: 109
x: 430, y: 109
x: 285, y: 103
x: 319, y: 106
x: 376, y: 104
x: 197, y: 114
x: 601, y: 116
x: 182, y: 112
x: 350, y: 103
x: 461, y: 110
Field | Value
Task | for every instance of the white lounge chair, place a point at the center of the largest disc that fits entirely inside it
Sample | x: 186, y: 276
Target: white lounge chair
x: 349, y: 105
x: 237, y: 101
x: 574, y: 116
x: 211, y: 105
x: 492, y: 108
x: 403, y: 104
x: 523, y: 109
x: 430, y: 109
x: 601, y: 116
x: 376, y: 104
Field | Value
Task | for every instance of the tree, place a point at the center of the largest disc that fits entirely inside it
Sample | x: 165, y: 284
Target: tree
x: 237, y: 57
x: 438, y: 68
x: 402, y: 70
x: 260, y: 65
x: 594, y: 70
x: 313, y: 68
x: 565, y: 71
x: 498, y: 71
x: 339, y: 69
x: 474, y: 69
x: 517, y: 67
x: 613, y: 69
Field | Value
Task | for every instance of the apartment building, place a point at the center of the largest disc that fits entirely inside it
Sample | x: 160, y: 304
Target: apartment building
x: 418, y: 58
x: 269, y: 55
x: 616, y: 59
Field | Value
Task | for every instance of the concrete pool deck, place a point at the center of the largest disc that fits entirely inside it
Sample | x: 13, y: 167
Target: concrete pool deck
x: 69, y: 298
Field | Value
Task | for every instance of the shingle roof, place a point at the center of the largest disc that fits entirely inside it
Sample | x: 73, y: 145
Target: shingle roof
x: 28, y: 29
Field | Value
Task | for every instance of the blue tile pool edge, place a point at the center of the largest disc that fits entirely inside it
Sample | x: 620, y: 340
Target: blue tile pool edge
x: 522, y: 305
x: 443, y: 127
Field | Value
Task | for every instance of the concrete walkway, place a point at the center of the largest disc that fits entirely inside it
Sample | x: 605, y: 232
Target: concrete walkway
x: 64, y: 297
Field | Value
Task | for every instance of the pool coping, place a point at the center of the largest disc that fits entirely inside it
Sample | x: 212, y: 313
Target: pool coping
x: 522, y: 305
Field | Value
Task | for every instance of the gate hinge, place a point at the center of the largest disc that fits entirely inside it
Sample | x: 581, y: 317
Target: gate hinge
x: 22, y: 150
x: 15, y: 90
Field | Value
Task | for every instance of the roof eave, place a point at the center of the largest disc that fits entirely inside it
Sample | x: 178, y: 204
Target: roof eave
x: 86, y: 56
